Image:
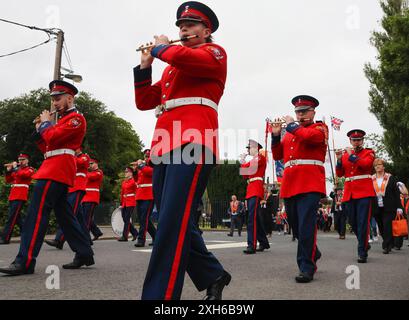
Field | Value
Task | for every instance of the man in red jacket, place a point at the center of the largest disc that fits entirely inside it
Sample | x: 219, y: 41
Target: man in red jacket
x: 95, y: 176
x: 20, y: 176
x: 253, y: 171
x: 74, y: 197
x: 144, y: 197
x: 355, y: 164
x: 55, y: 175
x: 128, y: 203
x: 303, y: 149
x: 186, y: 100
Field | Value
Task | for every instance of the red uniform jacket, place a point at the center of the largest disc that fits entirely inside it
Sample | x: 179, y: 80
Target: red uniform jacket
x: 128, y: 191
x: 256, y: 168
x: 144, y: 178
x: 21, y: 179
x: 80, y: 182
x: 94, y: 181
x: 68, y: 133
x: 355, y: 165
x: 307, y: 143
x: 192, y: 72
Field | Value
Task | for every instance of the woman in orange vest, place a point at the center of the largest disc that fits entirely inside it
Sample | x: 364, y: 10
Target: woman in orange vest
x: 387, y: 205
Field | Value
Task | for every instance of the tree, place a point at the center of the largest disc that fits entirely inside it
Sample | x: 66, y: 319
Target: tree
x: 389, y: 83
x: 225, y: 181
x: 109, y: 138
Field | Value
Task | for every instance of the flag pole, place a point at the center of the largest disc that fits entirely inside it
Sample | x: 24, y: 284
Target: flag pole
x: 333, y: 149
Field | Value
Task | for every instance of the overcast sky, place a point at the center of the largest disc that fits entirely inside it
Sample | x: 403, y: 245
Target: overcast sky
x: 276, y: 50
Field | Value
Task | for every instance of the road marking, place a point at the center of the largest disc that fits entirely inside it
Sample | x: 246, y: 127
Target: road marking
x: 211, y: 246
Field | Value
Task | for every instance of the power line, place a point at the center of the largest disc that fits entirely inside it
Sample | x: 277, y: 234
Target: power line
x: 47, y: 31
x: 26, y: 49
x: 67, y: 55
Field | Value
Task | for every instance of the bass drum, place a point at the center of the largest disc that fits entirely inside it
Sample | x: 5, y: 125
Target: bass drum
x: 117, y: 223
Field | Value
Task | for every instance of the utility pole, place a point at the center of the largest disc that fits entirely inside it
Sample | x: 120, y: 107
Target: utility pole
x: 57, y: 64
x: 58, y: 55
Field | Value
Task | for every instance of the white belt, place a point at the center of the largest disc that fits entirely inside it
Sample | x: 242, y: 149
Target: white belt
x: 298, y: 162
x: 129, y: 195
x: 20, y: 185
x: 58, y: 152
x: 255, y: 179
x: 80, y: 174
x: 144, y: 185
x: 175, y: 103
x: 364, y: 176
x: 92, y: 189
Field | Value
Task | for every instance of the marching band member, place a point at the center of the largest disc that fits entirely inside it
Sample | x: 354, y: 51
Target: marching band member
x: 55, y: 175
x: 355, y: 164
x: 253, y: 171
x: 74, y: 198
x: 144, y: 198
x: 91, y: 199
x: 128, y: 203
x: 303, y: 149
x: 20, y: 176
x: 187, y: 96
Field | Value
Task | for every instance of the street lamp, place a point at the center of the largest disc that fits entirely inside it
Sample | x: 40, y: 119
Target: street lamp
x: 73, y: 77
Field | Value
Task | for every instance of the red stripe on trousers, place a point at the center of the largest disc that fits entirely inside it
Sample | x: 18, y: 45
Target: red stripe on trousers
x: 182, y: 233
x: 146, y: 222
x: 368, y: 225
x: 37, y: 225
x: 13, y: 222
x: 314, y: 248
x: 255, y: 226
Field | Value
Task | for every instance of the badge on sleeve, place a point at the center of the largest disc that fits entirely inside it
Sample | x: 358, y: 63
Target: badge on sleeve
x: 75, y: 122
x: 216, y: 53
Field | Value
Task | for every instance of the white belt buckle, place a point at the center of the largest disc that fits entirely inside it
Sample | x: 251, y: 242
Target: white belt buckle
x: 159, y: 110
x: 293, y: 163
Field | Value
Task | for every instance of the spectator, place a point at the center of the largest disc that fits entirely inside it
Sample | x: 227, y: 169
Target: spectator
x: 386, y: 206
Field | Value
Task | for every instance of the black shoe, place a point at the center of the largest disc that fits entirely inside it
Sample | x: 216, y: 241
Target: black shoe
x: 261, y: 248
x: 79, y: 262
x: 239, y: 234
x: 151, y: 244
x: 396, y: 248
x: 369, y: 247
x: 139, y: 245
x: 55, y: 243
x: 122, y: 239
x: 95, y: 238
x: 362, y: 260
x: 249, y: 251
x: 134, y: 238
x: 15, y: 269
x: 304, y: 278
x: 386, y: 251
x: 230, y: 235
x: 2, y: 241
x: 214, y: 292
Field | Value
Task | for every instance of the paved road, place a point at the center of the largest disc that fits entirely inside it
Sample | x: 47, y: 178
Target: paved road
x: 120, y: 269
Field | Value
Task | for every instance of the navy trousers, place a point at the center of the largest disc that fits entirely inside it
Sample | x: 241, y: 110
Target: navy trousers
x: 359, y: 214
x: 14, y: 217
x: 302, y: 217
x: 128, y: 227
x: 255, y: 230
x: 179, y: 246
x: 88, y: 214
x: 49, y: 195
x: 74, y: 203
x: 144, y: 210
